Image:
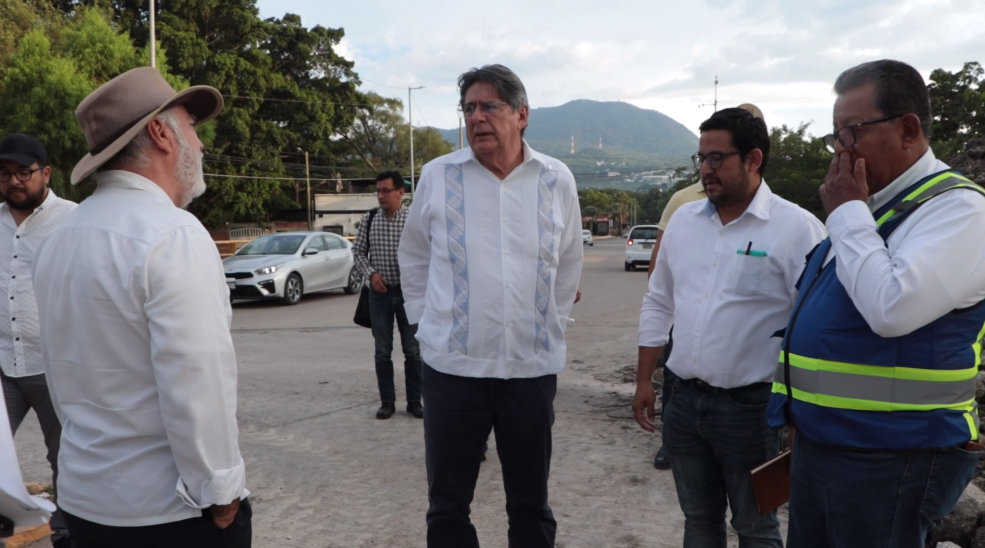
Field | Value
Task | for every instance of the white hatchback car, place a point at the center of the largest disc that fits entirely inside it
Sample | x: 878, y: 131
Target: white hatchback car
x: 586, y: 237
x: 639, y: 245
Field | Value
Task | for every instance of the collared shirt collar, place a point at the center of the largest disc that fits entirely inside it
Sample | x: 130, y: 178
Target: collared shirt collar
x: 759, y: 206
x: 920, y: 169
x: 116, y: 178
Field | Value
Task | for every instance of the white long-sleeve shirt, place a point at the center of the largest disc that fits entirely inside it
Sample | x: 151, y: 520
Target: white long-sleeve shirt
x: 725, y: 305
x: 933, y: 263
x: 139, y: 358
x: 490, y: 268
x: 20, y: 331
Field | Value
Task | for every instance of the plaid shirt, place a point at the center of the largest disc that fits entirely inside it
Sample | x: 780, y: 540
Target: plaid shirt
x: 377, y: 251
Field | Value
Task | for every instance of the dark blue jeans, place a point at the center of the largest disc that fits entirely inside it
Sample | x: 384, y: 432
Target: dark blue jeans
x: 714, y: 440
x: 461, y: 413
x: 844, y: 499
x: 383, y: 308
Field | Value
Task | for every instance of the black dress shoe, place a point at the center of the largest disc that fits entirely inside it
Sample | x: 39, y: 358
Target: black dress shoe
x: 661, y: 461
x: 386, y: 410
x: 415, y: 408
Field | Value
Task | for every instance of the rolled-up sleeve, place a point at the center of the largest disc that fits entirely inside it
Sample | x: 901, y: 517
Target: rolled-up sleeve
x: 195, y: 366
x: 414, y: 252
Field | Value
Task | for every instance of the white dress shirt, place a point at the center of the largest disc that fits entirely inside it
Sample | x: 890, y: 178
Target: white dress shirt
x: 726, y: 305
x: 934, y: 262
x: 20, y: 331
x: 489, y: 268
x: 139, y: 358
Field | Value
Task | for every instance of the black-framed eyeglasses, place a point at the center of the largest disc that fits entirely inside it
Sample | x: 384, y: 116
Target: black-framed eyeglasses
x: 23, y: 175
x: 714, y: 159
x: 489, y: 108
x: 846, y: 135
x: 386, y: 191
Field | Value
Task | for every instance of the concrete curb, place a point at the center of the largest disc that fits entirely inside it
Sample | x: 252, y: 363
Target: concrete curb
x: 27, y: 536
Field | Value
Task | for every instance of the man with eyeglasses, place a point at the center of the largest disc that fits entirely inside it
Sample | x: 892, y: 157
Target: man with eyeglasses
x: 725, y: 280
x: 881, y: 354
x: 490, y: 262
x: 29, y: 213
x: 375, y: 252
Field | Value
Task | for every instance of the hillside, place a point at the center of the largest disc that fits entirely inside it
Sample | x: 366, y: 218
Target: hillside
x: 633, y: 139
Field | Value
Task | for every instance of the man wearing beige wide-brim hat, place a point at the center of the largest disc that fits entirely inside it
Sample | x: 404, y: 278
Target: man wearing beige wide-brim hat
x: 135, y: 320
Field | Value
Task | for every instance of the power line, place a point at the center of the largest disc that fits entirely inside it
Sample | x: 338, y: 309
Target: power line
x: 384, y: 85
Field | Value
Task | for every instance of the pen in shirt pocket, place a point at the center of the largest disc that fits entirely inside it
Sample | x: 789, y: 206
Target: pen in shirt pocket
x: 749, y: 252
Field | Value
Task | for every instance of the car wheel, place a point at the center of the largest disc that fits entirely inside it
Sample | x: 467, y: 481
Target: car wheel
x: 293, y: 289
x: 592, y: 244
x: 355, y: 282
x: 629, y: 266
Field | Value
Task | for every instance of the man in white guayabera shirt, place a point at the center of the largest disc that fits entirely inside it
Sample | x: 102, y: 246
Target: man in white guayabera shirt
x: 490, y: 260
x: 135, y: 322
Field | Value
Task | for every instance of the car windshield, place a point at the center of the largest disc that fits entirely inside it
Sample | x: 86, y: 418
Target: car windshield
x: 586, y: 232
x: 644, y: 233
x: 279, y: 244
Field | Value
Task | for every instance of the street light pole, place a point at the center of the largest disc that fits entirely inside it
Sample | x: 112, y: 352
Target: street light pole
x: 153, y: 37
x: 410, y: 121
x: 307, y: 178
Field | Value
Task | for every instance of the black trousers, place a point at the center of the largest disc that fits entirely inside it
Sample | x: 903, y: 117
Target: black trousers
x: 460, y: 414
x: 188, y: 533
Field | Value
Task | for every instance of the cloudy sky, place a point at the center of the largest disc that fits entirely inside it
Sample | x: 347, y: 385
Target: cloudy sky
x: 782, y: 55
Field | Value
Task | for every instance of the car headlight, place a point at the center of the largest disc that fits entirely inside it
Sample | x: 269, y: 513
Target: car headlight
x: 267, y: 270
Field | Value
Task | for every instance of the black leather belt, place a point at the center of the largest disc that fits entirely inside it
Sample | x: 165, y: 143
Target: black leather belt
x: 709, y: 389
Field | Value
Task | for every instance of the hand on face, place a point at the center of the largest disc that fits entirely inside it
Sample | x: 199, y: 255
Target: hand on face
x: 845, y: 182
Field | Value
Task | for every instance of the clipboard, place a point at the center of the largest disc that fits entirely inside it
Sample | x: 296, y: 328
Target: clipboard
x: 771, y: 482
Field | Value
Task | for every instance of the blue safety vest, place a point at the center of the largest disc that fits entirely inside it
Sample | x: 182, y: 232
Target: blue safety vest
x: 843, y: 385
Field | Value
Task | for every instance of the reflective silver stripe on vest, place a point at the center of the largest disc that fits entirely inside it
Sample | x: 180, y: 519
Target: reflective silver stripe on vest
x: 879, y: 389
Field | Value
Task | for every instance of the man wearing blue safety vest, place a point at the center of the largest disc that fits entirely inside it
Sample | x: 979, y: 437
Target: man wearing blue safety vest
x: 879, y: 359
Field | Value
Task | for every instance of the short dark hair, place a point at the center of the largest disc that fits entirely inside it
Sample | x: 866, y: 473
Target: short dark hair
x: 748, y: 132
x: 394, y: 176
x: 899, y: 89
x: 508, y: 85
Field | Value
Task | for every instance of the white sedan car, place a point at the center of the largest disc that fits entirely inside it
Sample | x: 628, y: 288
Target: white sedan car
x: 586, y: 237
x: 639, y: 245
x: 285, y: 266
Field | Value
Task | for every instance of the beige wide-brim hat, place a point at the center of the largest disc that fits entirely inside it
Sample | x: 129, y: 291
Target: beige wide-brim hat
x: 752, y: 109
x: 120, y: 109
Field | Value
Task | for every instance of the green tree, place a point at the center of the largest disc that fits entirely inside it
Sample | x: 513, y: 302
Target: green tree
x: 48, y: 74
x: 957, y: 101
x: 797, y: 166
x: 380, y: 138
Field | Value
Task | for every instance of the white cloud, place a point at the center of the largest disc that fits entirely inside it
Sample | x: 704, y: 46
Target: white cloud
x: 782, y: 55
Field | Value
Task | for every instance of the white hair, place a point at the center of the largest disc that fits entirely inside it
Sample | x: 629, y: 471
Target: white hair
x: 134, y: 155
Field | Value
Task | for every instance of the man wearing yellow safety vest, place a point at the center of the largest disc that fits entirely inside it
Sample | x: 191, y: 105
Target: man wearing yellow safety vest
x: 879, y: 359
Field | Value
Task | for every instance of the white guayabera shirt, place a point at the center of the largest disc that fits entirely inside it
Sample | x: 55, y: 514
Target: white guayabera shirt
x: 490, y: 268
x: 20, y: 332
x: 139, y: 359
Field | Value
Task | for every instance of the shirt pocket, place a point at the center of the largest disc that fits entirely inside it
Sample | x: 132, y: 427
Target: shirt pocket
x: 749, y: 275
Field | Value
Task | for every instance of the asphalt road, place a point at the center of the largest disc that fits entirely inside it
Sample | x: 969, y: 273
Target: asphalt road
x: 323, y: 472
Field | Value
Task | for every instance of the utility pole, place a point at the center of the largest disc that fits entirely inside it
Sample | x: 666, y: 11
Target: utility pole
x: 461, y: 134
x: 715, y: 104
x: 153, y: 37
x: 307, y: 178
x: 410, y: 120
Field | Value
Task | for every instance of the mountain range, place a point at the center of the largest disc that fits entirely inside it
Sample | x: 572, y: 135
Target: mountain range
x: 633, y: 139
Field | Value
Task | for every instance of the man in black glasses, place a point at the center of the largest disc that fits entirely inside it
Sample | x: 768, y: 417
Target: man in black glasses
x: 29, y: 213
x: 375, y: 250
x: 880, y: 357
x: 724, y: 279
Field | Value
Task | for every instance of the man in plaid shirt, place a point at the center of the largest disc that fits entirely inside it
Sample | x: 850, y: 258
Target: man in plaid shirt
x: 376, y: 257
